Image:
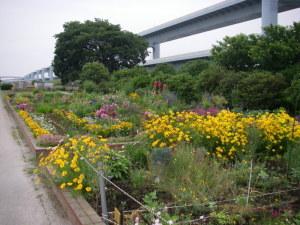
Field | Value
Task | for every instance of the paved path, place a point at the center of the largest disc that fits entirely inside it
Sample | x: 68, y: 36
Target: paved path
x: 23, y: 200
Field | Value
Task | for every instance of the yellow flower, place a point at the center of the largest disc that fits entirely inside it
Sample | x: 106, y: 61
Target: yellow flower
x: 64, y: 173
x: 88, y: 189
x: 63, y: 185
x: 78, y: 187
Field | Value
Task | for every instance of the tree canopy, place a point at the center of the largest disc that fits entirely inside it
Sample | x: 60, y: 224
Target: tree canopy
x: 93, y: 41
x: 276, y: 49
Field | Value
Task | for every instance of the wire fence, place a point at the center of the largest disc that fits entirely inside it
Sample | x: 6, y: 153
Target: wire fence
x: 157, y: 217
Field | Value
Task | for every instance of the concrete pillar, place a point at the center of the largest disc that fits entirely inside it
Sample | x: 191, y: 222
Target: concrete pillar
x: 43, y: 75
x: 269, y: 12
x: 156, y: 50
x: 50, y: 73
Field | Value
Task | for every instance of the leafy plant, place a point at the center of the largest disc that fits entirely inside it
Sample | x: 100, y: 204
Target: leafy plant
x: 6, y: 86
x: 95, y: 72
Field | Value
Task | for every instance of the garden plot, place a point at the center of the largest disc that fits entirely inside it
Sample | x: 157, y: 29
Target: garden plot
x: 186, y: 164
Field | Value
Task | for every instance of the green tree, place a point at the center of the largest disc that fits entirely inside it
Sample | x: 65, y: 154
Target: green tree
x: 95, y: 72
x: 278, y: 48
x: 92, y: 41
x: 233, y: 52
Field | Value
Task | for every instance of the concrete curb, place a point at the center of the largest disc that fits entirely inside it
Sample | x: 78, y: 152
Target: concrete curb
x: 78, y: 210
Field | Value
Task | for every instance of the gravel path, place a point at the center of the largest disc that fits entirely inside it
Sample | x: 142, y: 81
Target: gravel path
x: 24, y: 200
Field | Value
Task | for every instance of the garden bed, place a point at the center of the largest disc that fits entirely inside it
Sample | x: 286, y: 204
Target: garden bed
x: 180, y: 164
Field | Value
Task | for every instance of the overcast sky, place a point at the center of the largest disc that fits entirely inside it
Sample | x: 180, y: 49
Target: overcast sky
x: 27, y: 27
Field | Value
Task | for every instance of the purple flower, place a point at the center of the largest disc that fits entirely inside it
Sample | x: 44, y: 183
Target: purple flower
x: 107, y: 111
x: 205, y: 112
x: 22, y: 106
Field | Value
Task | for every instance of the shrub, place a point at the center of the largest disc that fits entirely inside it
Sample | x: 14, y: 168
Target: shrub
x: 260, y: 90
x: 209, y: 79
x: 129, y: 73
x: 89, y: 86
x: 183, y: 85
x: 292, y: 96
x: 228, y: 83
x: 160, y: 76
x: 138, y: 82
x: 94, y: 71
x: 6, y: 86
x: 164, y: 68
x: 122, y: 78
x: 291, y: 73
x: 194, y: 67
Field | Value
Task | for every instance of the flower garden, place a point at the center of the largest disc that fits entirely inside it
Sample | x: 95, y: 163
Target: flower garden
x: 184, y: 163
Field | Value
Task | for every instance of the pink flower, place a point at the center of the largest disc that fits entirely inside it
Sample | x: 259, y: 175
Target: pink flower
x: 107, y: 111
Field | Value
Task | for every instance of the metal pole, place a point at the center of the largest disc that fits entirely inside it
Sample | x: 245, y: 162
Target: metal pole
x: 249, y: 183
x: 102, y: 193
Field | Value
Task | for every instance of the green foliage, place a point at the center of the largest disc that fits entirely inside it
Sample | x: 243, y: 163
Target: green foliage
x: 137, y: 154
x: 292, y: 96
x: 153, y: 203
x: 44, y: 108
x: 276, y: 49
x: 223, y: 218
x: 93, y: 41
x: 293, y: 158
x: 260, y: 90
x: 209, y: 79
x: 129, y: 73
x: 164, y: 68
x: 138, y: 82
x: 233, y: 52
x: 122, y: 79
x: 118, y: 166
x: 6, y: 86
x: 194, y: 67
x: 291, y: 73
x: 228, y: 84
x: 139, y: 178
x: 190, y: 177
x: 95, y: 72
x: 183, y: 85
x: 90, y: 86
x: 209, y: 101
x: 82, y: 109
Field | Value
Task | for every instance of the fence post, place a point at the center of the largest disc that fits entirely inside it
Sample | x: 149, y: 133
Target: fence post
x: 102, y: 192
x: 249, y: 182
